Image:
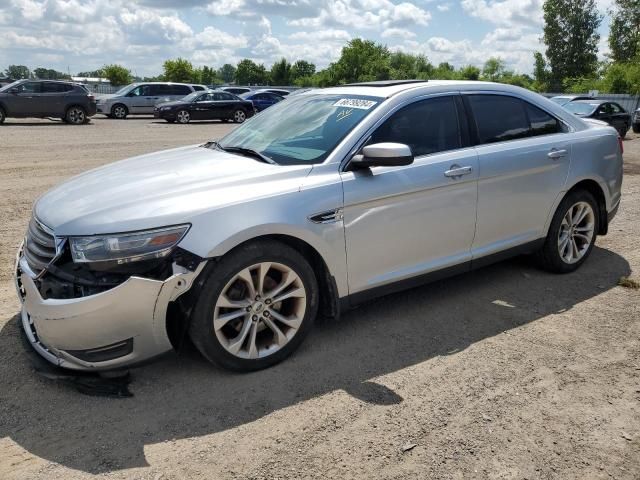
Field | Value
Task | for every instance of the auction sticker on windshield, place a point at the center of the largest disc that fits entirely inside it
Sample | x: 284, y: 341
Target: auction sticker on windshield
x: 355, y: 103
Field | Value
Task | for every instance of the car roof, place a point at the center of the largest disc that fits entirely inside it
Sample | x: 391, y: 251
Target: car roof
x: 386, y: 89
x: 593, y: 101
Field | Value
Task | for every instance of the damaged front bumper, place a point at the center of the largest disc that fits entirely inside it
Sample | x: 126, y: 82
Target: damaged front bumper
x: 119, y: 327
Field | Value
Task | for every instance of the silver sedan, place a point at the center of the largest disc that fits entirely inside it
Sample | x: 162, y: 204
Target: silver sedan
x: 323, y: 201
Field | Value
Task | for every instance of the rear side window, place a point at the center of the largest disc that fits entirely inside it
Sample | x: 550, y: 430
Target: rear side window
x: 178, y: 90
x: 56, y: 87
x: 541, y: 122
x: 616, y: 108
x: 499, y: 118
x: 427, y: 126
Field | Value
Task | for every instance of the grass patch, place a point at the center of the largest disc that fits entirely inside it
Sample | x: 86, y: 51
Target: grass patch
x: 627, y: 282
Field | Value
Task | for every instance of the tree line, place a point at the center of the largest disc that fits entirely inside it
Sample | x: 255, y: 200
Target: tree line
x: 569, y: 62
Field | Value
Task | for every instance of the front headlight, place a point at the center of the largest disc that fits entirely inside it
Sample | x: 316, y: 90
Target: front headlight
x: 127, y: 247
x: 165, y: 108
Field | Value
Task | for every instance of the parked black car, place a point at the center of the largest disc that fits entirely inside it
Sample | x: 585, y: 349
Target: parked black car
x: 262, y: 99
x: 635, y: 123
x: 609, y: 112
x: 71, y: 102
x: 209, y: 105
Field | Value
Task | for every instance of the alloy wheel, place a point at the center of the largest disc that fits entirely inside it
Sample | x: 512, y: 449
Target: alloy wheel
x: 76, y: 116
x: 119, y: 112
x: 259, y: 310
x: 239, y: 116
x: 576, y: 232
x: 183, y: 116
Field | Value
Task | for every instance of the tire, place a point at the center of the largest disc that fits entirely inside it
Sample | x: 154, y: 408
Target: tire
x: 119, y: 111
x: 3, y: 116
x: 636, y: 128
x: 183, y: 116
x: 623, y: 132
x: 558, y: 255
x: 252, y: 325
x: 239, y: 116
x: 76, y: 115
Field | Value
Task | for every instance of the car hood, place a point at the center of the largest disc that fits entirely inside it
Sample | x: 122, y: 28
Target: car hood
x: 159, y: 189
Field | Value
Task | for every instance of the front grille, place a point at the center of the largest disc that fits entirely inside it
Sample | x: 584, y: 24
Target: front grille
x: 40, y: 247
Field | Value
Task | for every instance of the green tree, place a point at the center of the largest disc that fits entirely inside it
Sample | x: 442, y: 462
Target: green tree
x: 17, y: 72
x: 362, y: 60
x: 49, y: 74
x: 91, y: 73
x: 571, y: 36
x: 250, y: 73
x: 469, y: 72
x: 302, y: 69
x: 117, y: 74
x: 179, y: 70
x: 540, y: 72
x: 227, y: 73
x: 624, y: 32
x: 493, y: 69
x: 207, y: 76
x: 281, y: 72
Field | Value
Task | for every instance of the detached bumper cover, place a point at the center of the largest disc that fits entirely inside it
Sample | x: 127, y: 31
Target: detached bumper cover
x: 135, y: 309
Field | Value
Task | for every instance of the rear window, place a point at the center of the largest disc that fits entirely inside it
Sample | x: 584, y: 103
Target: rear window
x: 198, y: 88
x: 499, y: 118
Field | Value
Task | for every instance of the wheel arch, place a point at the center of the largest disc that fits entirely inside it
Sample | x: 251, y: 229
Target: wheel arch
x: 594, y: 188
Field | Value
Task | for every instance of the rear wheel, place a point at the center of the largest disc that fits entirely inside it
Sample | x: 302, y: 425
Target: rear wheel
x: 183, y: 116
x: 255, y: 307
x: 636, y: 128
x: 572, y: 233
x: 239, y: 116
x: 119, y: 111
x: 2, y: 115
x: 76, y: 116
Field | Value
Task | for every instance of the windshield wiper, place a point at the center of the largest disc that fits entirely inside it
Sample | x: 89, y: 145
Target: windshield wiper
x: 248, y: 153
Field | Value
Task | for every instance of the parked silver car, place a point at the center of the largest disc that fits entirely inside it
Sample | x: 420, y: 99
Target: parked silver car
x: 141, y: 98
x: 320, y: 202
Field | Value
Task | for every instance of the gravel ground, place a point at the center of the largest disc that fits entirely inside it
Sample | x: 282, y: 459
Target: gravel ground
x: 507, y: 372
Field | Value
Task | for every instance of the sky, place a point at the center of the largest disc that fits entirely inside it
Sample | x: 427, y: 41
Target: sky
x: 83, y: 35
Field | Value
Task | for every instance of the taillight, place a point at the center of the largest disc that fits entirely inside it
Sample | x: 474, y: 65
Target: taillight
x: 621, y: 144
x: 91, y: 97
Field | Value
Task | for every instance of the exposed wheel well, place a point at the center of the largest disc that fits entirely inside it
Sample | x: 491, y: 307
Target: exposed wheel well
x: 594, y: 189
x: 178, y: 312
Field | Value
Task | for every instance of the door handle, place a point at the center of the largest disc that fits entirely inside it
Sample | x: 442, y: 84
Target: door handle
x: 457, y: 171
x: 555, y: 154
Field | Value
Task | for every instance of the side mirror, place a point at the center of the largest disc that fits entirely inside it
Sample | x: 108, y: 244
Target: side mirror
x: 14, y: 90
x: 382, y: 155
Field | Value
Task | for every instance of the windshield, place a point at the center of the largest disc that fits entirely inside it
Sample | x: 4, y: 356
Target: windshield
x: 304, y: 129
x: 11, y: 85
x: 581, y: 108
x: 191, y: 97
x: 123, y: 90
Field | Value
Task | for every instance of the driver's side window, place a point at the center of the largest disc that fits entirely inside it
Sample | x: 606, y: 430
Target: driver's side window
x: 427, y: 126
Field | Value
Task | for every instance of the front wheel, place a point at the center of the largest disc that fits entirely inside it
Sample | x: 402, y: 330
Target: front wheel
x: 239, y: 116
x: 76, y: 116
x: 183, y: 116
x: 2, y: 115
x: 119, y: 111
x: 572, y: 233
x: 255, y: 307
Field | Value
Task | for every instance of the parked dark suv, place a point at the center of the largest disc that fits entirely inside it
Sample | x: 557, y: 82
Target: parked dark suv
x: 71, y: 102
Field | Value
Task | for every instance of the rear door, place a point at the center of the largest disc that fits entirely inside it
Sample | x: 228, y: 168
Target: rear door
x: 524, y: 155
x: 227, y: 103
x: 53, y: 97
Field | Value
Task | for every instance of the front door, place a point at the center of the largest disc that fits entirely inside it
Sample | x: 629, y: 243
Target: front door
x: 401, y: 222
x: 24, y: 102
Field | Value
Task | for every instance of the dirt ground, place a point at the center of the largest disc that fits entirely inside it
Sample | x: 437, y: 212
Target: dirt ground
x: 507, y: 372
